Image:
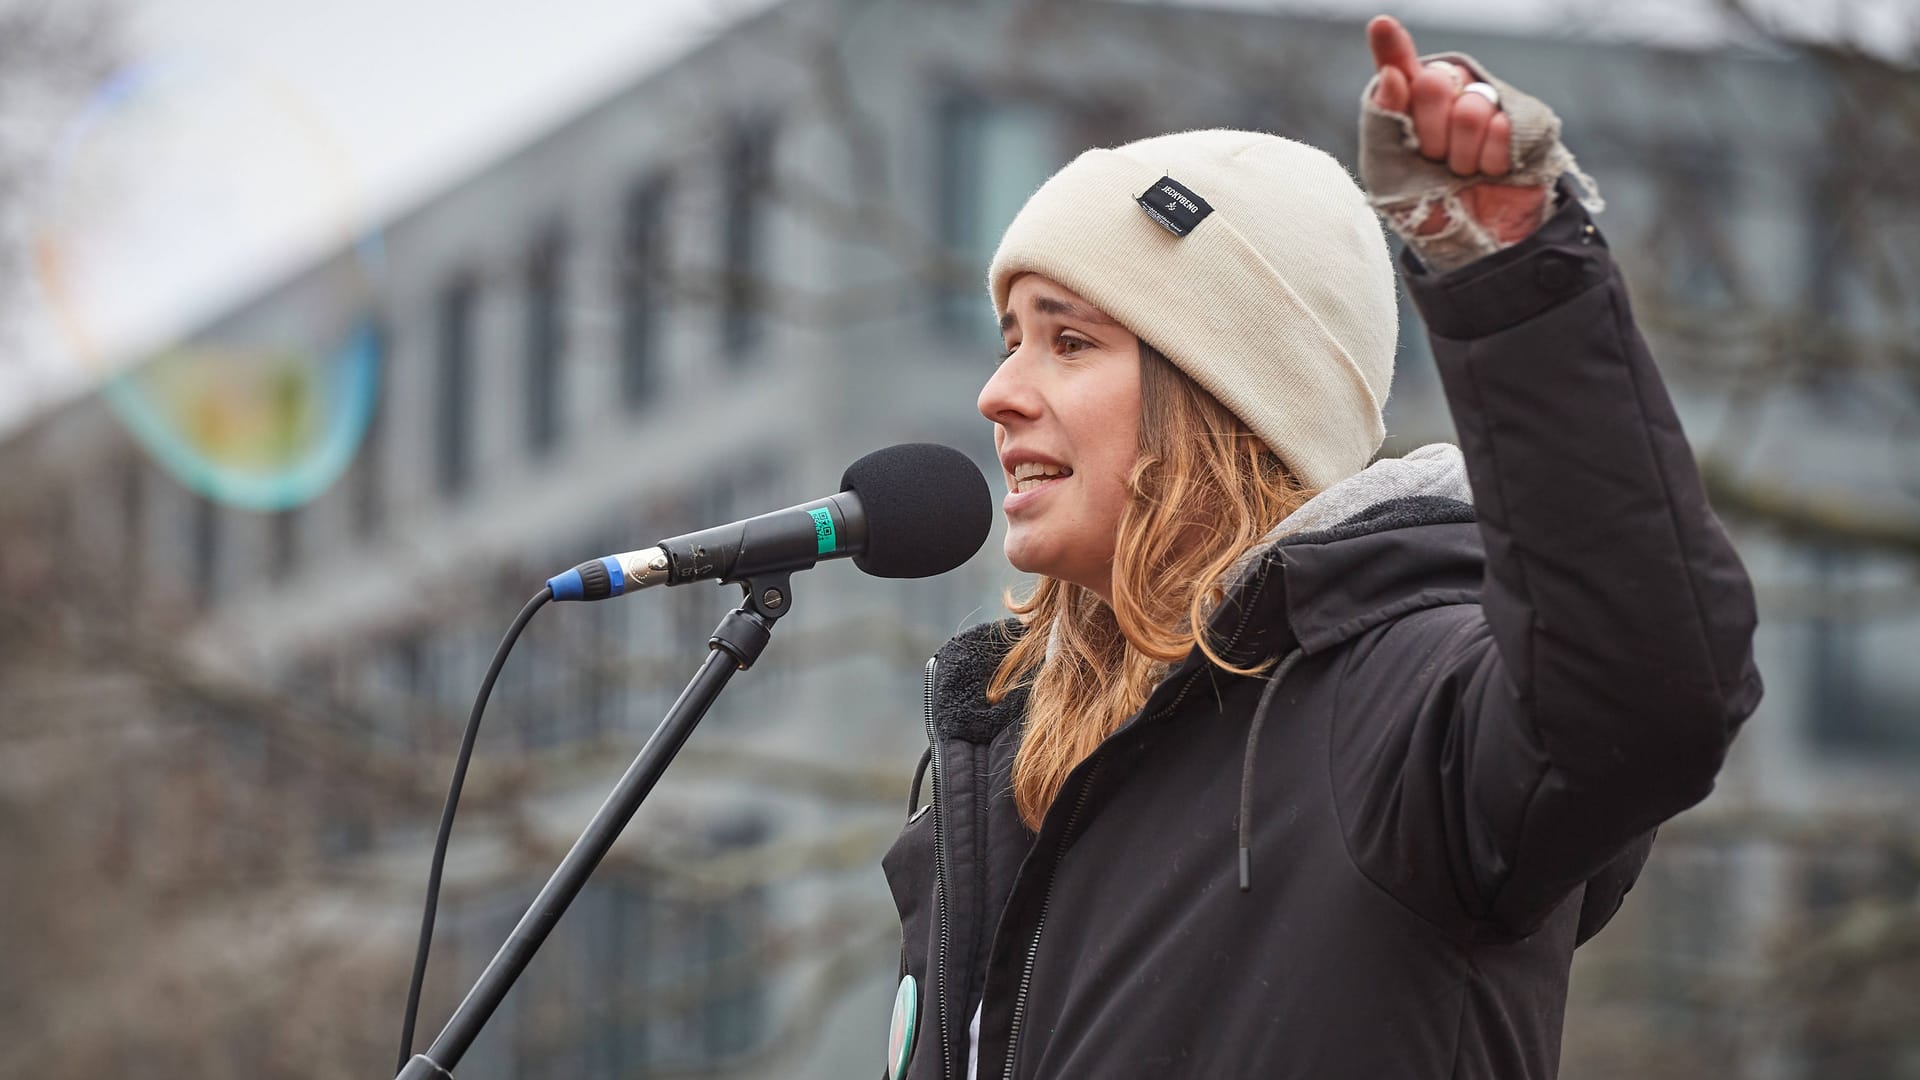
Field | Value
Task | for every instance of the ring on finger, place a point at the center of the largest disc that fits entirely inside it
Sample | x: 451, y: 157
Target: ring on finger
x: 1485, y: 90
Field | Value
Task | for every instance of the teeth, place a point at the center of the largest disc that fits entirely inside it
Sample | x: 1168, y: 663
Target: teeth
x: 1031, y: 474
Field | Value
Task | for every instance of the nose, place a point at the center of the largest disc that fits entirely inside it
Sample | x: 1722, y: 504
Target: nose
x: 1010, y: 395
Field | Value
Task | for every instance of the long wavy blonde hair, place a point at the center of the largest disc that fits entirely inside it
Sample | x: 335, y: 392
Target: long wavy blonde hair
x: 1204, y: 490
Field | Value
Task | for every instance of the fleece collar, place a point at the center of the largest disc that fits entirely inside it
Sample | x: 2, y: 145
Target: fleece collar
x: 1433, y: 471
x: 1396, y: 537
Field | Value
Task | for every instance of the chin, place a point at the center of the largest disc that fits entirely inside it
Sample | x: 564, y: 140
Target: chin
x: 1033, y: 555
x: 1021, y: 558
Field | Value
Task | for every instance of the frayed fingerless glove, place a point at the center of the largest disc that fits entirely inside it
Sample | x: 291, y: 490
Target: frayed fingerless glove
x: 1403, y: 186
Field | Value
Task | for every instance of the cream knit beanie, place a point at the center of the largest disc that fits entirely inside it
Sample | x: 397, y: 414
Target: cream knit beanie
x: 1251, y: 261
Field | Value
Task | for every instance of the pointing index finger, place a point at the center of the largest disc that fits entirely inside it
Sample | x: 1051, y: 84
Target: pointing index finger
x: 1392, y: 46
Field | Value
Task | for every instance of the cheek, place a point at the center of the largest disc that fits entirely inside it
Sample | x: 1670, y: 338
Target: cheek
x: 1108, y: 455
x: 1109, y: 499
x: 1119, y: 444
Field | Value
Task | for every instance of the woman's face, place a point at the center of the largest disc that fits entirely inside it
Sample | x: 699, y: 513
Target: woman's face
x: 1065, y: 406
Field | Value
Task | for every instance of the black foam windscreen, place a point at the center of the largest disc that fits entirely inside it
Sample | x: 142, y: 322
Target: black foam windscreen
x: 927, y: 508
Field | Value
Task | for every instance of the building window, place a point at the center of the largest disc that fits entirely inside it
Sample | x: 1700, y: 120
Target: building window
x: 642, y: 286
x: 1682, y: 929
x: 991, y: 156
x: 733, y: 931
x: 133, y: 521
x: 407, y: 655
x: 1863, y: 688
x: 643, y: 976
x: 453, y: 429
x: 368, y: 499
x: 1416, y: 409
x: 624, y: 1047
x: 1692, y: 241
x: 206, y: 551
x: 546, y: 340
x: 747, y: 178
x: 285, y: 542
x: 1860, y: 276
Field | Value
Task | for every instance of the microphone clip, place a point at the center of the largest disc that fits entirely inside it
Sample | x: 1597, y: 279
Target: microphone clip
x: 770, y: 595
x: 747, y: 628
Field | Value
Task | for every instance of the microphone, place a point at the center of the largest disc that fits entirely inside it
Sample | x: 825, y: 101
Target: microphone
x: 908, y: 511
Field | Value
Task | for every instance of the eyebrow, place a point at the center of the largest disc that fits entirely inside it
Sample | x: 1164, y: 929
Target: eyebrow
x: 1048, y: 305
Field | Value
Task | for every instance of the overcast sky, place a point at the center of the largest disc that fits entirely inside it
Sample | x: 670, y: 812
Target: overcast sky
x: 406, y: 96
x: 422, y: 91
x: 409, y: 96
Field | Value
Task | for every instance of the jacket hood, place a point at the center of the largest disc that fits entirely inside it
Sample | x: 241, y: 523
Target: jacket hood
x: 1394, y: 537
x: 1433, y: 471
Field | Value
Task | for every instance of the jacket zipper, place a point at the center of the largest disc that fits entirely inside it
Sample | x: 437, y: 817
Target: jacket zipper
x: 939, y: 886
x: 1060, y: 852
x: 1040, y: 924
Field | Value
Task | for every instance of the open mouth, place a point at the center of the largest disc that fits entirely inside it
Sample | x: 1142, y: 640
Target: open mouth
x: 1032, y: 475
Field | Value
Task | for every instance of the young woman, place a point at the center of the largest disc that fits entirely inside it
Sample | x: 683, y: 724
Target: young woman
x: 1294, y: 765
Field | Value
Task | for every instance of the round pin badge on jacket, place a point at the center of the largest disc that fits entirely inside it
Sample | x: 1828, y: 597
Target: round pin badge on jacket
x: 906, y: 1011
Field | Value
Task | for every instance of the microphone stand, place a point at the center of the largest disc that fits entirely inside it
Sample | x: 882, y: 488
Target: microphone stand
x: 736, y: 643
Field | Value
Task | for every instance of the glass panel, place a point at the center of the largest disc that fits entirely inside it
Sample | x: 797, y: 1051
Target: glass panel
x: 992, y: 156
x: 1693, y: 239
x: 206, y: 550
x: 286, y: 542
x: 454, y: 401
x: 643, y: 261
x: 747, y: 175
x: 369, y: 479
x: 1863, y: 688
x: 546, y: 341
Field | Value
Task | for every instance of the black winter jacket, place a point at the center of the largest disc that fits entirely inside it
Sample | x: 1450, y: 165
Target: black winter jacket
x: 1450, y: 779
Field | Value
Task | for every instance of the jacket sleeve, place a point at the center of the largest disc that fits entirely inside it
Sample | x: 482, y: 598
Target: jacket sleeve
x: 1615, y: 663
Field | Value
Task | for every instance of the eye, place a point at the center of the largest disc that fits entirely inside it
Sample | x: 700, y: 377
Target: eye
x: 1071, y: 344
x: 1007, y: 352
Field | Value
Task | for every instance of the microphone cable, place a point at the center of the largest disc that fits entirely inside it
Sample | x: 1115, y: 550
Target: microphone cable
x: 446, y: 818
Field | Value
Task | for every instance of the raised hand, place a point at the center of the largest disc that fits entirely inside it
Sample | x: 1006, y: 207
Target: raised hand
x: 1466, y: 131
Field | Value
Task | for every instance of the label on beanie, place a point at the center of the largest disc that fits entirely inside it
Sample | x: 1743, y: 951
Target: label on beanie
x: 1173, y: 207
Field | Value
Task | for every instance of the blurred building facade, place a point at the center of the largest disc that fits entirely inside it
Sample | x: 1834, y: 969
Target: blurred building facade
x: 699, y: 300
